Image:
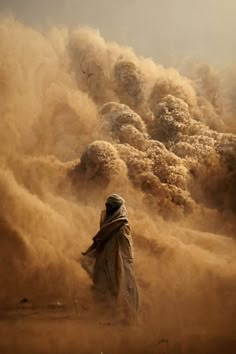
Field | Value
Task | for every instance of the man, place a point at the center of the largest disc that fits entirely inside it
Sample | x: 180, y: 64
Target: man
x: 112, y: 252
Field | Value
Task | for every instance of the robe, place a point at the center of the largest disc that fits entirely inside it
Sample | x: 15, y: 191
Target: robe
x: 112, y: 271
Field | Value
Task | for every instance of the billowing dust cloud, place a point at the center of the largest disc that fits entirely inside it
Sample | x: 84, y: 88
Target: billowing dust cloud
x: 81, y: 118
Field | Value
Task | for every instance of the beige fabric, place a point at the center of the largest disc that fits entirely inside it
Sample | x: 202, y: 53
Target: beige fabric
x: 112, y: 252
x: 116, y: 201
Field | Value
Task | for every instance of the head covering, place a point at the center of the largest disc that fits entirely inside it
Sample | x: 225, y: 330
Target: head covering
x: 118, y: 203
x: 115, y: 201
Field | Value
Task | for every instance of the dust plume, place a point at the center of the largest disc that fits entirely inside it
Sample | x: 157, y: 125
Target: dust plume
x: 81, y: 118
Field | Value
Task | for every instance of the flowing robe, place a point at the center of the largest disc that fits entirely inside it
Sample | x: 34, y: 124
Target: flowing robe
x: 112, y: 274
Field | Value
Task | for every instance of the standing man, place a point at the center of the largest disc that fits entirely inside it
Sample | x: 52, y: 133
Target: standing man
x: 112, y: 251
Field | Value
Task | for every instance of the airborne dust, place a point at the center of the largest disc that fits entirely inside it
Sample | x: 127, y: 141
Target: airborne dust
x: 81, y: 118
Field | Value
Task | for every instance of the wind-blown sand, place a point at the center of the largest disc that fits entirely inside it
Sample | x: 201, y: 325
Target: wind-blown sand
x: 81, y: 118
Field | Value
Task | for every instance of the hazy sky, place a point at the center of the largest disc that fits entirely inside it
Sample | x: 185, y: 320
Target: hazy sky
x: 168, y: 30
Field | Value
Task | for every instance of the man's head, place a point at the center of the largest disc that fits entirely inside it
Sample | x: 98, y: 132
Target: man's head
x: 113, y: 203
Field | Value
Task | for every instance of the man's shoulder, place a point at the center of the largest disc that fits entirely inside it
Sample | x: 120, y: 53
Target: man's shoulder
x: 126, y: 226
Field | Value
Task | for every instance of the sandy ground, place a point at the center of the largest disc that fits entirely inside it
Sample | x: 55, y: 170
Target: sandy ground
x: 52, y: 329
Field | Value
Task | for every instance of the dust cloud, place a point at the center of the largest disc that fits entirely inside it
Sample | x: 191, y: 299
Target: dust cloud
x: 81, y: 118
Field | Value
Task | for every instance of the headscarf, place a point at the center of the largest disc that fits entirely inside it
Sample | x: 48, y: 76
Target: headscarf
x: 117, y: 202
